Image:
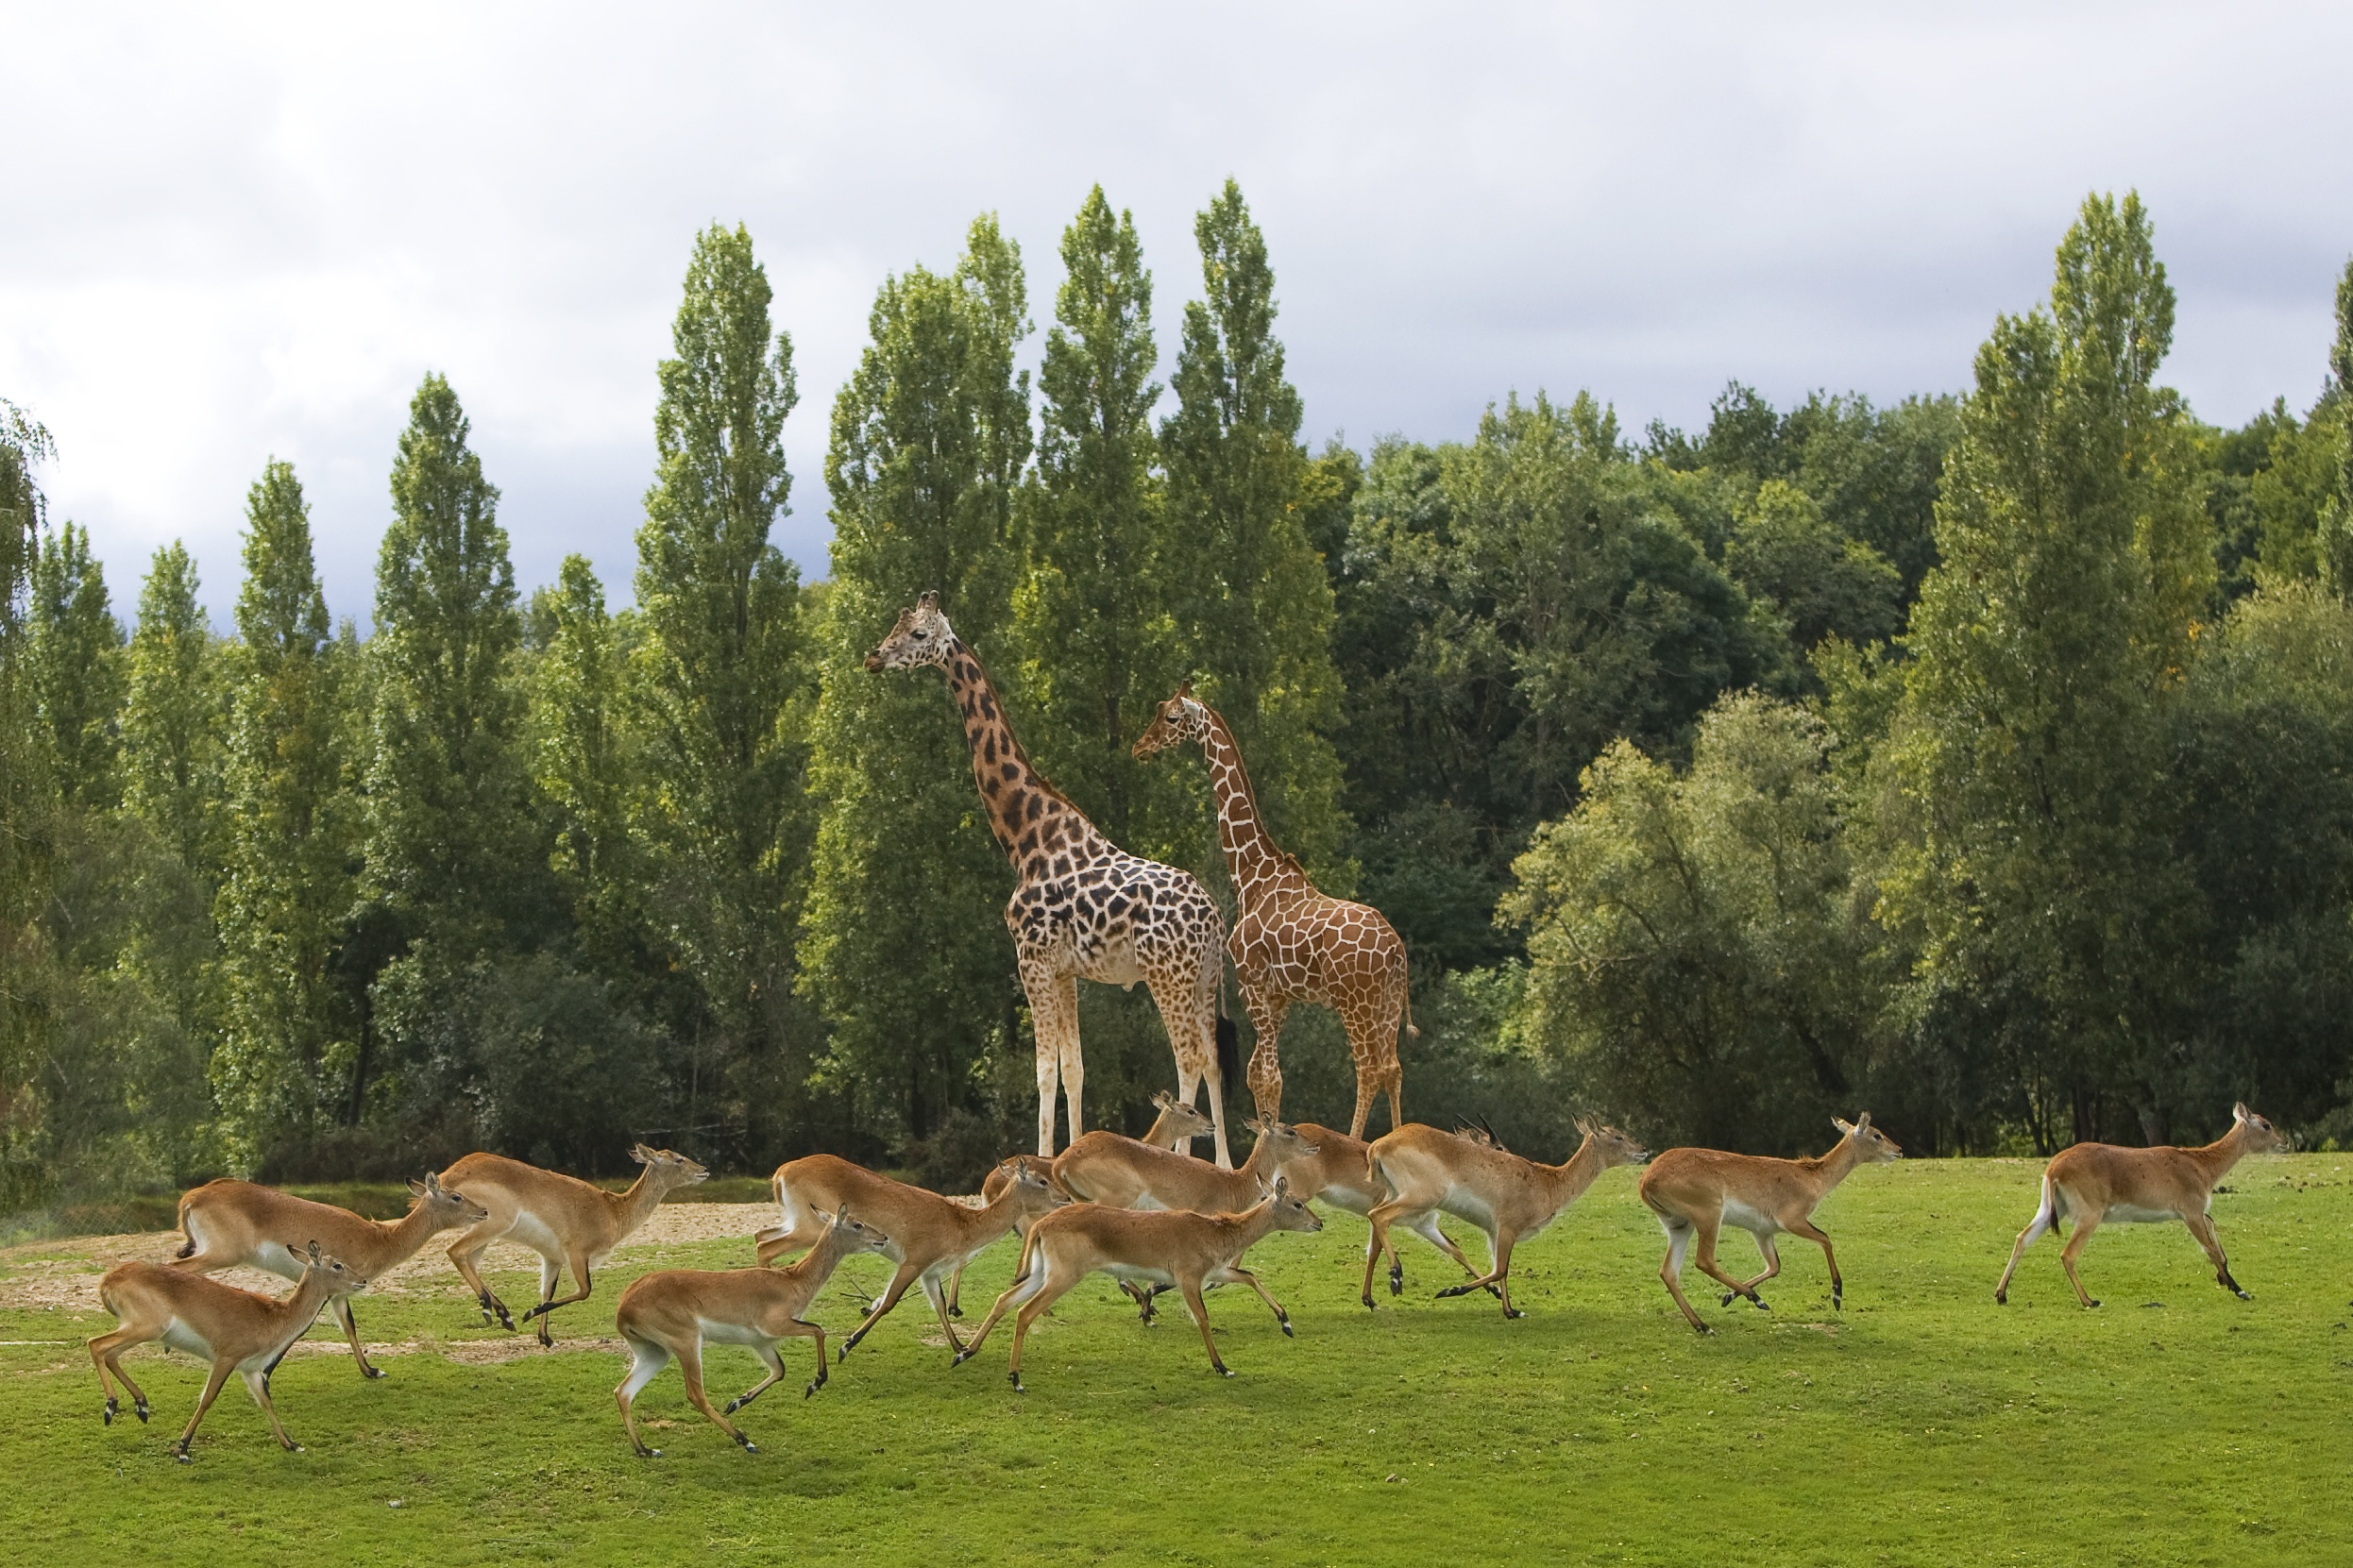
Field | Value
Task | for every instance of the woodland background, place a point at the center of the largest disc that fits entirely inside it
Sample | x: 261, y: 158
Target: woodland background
x: 1982, y: 760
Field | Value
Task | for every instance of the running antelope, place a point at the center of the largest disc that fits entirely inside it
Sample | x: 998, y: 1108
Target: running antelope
x: 1121, y: 1172
x: 1178, y: 1123
x: 1510, y: 1198
x: 930, y: 1237
x: 675, y: 1312
x: 1339, y: 1174
x: 1695, y: 1192
x: 230, y: 1222
x: 1146, y: 1251
x: 2099, y: 1181
x: 238, y: 1331
x: 565, y: 1221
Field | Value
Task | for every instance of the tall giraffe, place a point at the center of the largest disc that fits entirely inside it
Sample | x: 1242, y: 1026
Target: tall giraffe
x: 1293, y: 943
x: 1081, y: 906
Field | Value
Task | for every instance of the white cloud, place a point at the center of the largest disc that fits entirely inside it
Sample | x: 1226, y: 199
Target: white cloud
x: 233, y: 238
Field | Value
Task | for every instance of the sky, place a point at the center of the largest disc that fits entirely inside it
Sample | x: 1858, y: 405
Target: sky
x: 235, y: 233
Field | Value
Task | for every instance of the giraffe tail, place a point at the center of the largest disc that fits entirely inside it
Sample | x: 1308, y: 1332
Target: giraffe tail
x: 1228, y: 1050
x: 1411, y: 1033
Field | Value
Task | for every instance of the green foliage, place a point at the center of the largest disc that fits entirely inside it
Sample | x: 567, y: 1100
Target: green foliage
x: 723, y: 685
x: 2048, y: 650
x: 72, y: 662
x: 1093, y: 612
x: 1253, y: 604
x: 1785, y: 553
x: 291, y: 1008
x: 903, y: 943
x: 176, y: 715
x: 1694, y: 954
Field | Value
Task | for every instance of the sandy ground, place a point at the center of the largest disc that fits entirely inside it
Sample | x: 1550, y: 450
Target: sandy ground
x: 63, y: 1275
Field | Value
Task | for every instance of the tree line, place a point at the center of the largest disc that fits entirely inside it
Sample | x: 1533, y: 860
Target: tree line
x: 1986, y: 760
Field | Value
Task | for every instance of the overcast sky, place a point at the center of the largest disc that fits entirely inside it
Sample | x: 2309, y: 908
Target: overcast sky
x: 236, y: 234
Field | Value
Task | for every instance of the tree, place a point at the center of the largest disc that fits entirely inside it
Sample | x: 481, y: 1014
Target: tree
x: 2336, y: 523
x: 173, y: 723
x: 584, y: 757
x: 1784, y: 552
x: 1691, y: 948
x: 904, y: 941
x: 291, y: 829
x: 1093, y: 614
x: 28, y: 813
x: 1254, y: 605
x: 2032, y: 877
x: 74, y: 665
x: 724, y: 680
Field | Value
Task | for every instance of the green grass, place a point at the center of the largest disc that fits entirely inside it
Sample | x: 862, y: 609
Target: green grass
x: 1923, y: 1424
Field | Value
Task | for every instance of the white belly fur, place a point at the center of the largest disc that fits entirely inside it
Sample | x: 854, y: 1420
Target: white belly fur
x: 187, y: 1341
x: 2126, y: 1214
x: 729, y: 1333
x: 532, y: 1232
x: 1754, y: 1222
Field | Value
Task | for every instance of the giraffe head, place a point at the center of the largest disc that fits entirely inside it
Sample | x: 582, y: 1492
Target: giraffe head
x: 922, y: 637
x: 1180, y: 718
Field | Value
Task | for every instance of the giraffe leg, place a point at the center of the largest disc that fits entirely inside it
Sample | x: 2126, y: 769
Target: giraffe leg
x: 1375, y: 1066
x: 1190, y: 1012
x: 1267, y: 1013
x: 1052, y: 995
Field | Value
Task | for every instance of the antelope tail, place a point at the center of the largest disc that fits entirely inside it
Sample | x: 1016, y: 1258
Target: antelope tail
x: 187, y: 1248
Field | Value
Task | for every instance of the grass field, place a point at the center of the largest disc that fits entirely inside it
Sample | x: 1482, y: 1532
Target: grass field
x: 1923, y: 1424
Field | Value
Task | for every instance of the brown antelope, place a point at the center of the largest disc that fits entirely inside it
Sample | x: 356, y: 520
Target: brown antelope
x: 565, y: 1221
x: 1146, y: 1251
x: 230, y: 1223
x: 1337, y: 1174
x: 1428, y: 1171
x: 2099, y: 1181
x: 675, y: 1312
x: 1695, y: 1192
x: 238, y: 1331
x: 1178, y: 1123
x: 930, y: 1237
x: 1119, y: 1172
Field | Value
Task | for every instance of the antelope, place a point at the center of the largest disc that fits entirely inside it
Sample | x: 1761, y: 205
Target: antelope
x: 565, y: 1221
x: 238, y: 1331
x: 1145, y: 1250
x: 2100, y: 1181
x: 1338, y: 1174
x: 231, y: 1222
x: 930, y: 1237
x: 1698, y: 1191
x: 1178, y: 1123
x: 1510, y: 1198
x: 1119, y: 1172
x: 675, y: 1312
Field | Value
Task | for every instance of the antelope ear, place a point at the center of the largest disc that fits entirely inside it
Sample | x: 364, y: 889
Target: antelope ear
x: 2239, y: 1111
x: 1282, y: 1186
x: 1845, y: 1127
x: 642, y: 1154
x: 422, y: 1188
x: 314, y: 1252
x: 1162, y: 1100
x: 930, y: 600
x: 1585, y: 1125
x: 1862, y: 1122
x: 841, y: 1215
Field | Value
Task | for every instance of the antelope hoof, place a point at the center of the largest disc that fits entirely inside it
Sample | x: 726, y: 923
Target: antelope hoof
x: 815, y: 1384
x: 2089, y: 1305
x: 959, y: 1358
x: 2241, y: 1294
x: 1451, y: 1290
x: 1514, y: 1312
x: 1286, y: 1328
x: 1396, y: 1279
x: 108, y: 1418
x: 1367, y: 1300
x: 1758, y: 1302
x: 1223, y: 1370
x: 1702, y: 1327
x: 731, y: 1406
x: 954, y: 1311
x: 140, y: 1406
x: 746, y: 1444
x: 649, y: 1453
x: 1730, y: 1296
x: 371, y: 1372
x: 1016, y: 1378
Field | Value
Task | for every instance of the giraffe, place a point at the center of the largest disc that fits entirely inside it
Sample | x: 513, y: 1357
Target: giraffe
x: 1293, y: 943
x: 1082, y: 907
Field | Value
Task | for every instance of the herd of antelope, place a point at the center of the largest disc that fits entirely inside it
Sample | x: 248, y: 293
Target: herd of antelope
x: 1142, y: 1210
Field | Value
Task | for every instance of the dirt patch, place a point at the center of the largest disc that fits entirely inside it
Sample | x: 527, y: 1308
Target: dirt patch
x: 63, y: 1275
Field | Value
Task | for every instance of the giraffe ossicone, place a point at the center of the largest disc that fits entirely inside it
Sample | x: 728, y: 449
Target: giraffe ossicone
x: 1082, y: 907
x: 1293, y: 942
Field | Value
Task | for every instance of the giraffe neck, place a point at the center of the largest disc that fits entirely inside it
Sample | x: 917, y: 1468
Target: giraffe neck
x: 1021, y: 803
x: 1253, y: 859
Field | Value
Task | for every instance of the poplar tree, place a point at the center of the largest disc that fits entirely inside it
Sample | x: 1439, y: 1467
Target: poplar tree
x: 2336, y: 522
x: 74, y: 665
x: 291, y: 829
x: 903, y: 943
x: 28, y: 809
x: 1094, y: 615
x: 172, y: 721
x: 2034, y: 872
x: 721, y: 673
x: 1253, y: 604
x: 582, y: 756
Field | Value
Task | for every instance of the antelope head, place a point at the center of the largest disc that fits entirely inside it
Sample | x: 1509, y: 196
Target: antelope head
x: 1609, y: 1146
x: 1179, y: 719
x: 1284, y: 1141
x: 340, y: 1279
x: 447, y: 1208
x: 1188, y: 1120
x: 668, y: 1168
x: 2260, y: 1137
x: 1290, y: 1213
x: 1033, y: 1193
x: 1872, y: 1146
x: 850, y: 1235
x: 921, y: 637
